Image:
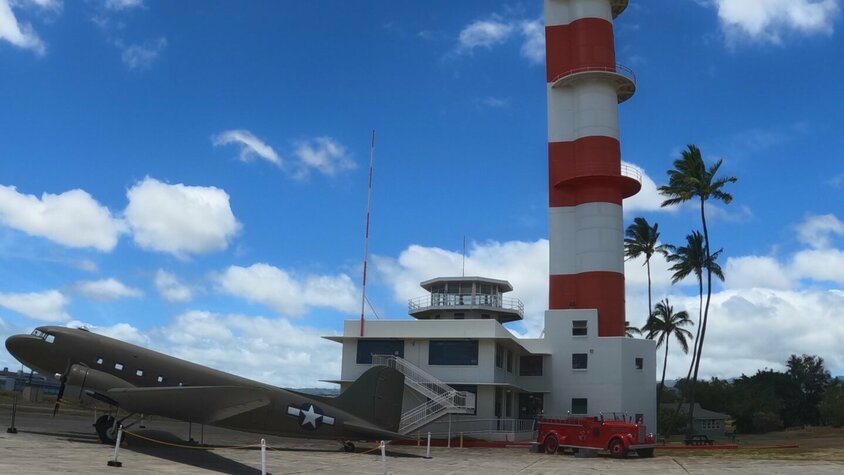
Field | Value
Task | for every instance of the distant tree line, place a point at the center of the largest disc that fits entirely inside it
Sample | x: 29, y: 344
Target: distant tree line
x: 805, y: 394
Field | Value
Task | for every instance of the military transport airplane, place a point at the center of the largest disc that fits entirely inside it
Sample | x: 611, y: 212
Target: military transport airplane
x: 139, y: 381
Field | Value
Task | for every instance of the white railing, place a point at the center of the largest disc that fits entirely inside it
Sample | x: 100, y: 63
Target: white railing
x: 473, y: 426
x: 469, y: 300
x: 619, y: 69
x: 443, y: 399
x: 631, y: 172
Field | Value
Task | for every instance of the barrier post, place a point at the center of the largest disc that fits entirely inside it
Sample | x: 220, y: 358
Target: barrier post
x: 449, y: 431
x: 461, y: 440
x: 12, y: 429
x: 418, y: 438
x: 428, y: 450
x: 263, y: 456
x: 384, y: 457
x: 113, y: 462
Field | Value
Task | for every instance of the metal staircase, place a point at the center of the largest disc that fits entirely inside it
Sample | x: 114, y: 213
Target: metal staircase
x: 442, y: 398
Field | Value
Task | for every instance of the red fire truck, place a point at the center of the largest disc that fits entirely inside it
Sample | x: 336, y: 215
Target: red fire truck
x: 611, y: 432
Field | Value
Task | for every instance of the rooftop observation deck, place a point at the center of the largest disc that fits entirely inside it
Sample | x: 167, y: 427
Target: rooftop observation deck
x: 618, y: 6
x: 466, y: 298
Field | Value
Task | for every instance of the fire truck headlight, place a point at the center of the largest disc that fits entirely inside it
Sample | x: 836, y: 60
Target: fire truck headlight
x: 630, y: 436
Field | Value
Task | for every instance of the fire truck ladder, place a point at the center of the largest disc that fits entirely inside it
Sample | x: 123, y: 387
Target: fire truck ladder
x: 442, y: 398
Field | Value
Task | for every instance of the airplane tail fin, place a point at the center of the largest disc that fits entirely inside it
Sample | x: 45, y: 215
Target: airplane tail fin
x: 376, y: 397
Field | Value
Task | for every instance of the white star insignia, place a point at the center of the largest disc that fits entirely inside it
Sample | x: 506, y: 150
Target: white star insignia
x: 311, y: 417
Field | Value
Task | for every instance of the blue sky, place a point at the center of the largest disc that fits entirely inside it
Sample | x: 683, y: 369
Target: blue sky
x: 192, y: 176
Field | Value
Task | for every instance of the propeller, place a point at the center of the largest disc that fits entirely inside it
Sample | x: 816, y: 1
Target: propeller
x: 61, y: 390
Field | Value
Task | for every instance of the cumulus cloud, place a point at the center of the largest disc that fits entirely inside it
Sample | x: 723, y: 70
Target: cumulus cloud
x: 72, y: 218
x: 171, y: 288
x: 483, y: 34
x: 141, y: 56
x: 21, y: 34
x: 817, y: 231
x: 748, y: 272
x: 47, y: 306
x: 106, y: 290
x: 123, y: 4
x: 768, y: 21
x: 819, y: 265
x: 322, y: 154
x: 285, y: 293
x: 180, y: 219
x: 648, y: 198
x: 533, y: 47
x: 250, y: 146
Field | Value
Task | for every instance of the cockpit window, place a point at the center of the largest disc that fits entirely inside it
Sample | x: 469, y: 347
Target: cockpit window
x: 48, y: 337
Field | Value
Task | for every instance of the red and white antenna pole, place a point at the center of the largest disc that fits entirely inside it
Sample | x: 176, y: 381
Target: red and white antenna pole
x: 366, y: 235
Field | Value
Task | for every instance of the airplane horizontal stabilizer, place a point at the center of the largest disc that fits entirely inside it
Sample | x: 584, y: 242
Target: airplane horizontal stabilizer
x: 369, y: 431
x: 201, y: 404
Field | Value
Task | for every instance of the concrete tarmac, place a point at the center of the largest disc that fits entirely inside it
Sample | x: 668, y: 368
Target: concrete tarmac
x: 68, y: 444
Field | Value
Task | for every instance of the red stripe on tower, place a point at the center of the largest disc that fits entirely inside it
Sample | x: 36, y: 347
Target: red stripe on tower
x: 587, y: 182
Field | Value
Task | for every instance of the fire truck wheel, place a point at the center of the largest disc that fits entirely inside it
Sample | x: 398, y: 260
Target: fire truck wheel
x: 617, y: 450
x: 645, y: 453
x: 551, y: 445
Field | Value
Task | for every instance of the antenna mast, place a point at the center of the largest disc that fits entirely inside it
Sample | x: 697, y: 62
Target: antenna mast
x: 366, y: 235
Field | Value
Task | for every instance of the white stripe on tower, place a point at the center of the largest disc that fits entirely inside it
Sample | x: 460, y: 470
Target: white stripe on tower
x: 586, y: 186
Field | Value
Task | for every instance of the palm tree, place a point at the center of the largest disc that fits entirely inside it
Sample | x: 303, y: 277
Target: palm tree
x: 641, y: 240
x: 663, y: 324
x: 630, y: 330
x: 690, y: 179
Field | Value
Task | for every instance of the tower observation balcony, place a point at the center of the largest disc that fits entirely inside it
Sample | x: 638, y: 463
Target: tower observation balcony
x: 457, y: 298
x: 629, y: 179
x: 618, y: 6
x: 623, y: 77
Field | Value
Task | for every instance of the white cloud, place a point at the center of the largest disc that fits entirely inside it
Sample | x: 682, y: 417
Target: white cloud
x: 106, y: 290
x: 122, y: 4
x: 748, y: 272
x: 323, y: 154
x: 819, y: 265
x: 72, y: 218
x: 533, y: 47
x: 250, y: 146
x: 141, y: 56
x: 816, y: 231
x: 171, y: 288
x: 483, y: 34
x: 648, y: 198
x: 17, y: 33
x: 180, y: 219
x: 47, y: 306
x: 769, y: 20
x: 285, y: 293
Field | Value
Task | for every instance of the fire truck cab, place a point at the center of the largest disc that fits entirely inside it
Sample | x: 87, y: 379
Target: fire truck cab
x: 612, y: 432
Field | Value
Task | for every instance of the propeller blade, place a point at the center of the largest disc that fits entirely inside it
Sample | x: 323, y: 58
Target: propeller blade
x: 59, y: 396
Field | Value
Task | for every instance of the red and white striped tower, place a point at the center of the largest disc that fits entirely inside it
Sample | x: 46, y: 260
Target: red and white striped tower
x: 587, y: 182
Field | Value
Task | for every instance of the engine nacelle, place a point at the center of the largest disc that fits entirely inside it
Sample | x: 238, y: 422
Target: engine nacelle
x: 81, y: 380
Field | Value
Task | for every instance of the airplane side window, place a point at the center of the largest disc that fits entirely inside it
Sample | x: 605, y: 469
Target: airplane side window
x: 118, y: 366
x: 139, y: 372
x: 99, y: 360
x: 161, y: 379
x: 50, y: 338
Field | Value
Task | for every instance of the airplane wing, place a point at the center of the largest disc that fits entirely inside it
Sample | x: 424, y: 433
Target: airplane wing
x: 202, y: 404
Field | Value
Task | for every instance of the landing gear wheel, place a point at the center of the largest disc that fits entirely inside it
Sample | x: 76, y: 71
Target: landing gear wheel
x: 645, y: 453
x: 617, y: 450
x: 348, y: 446
x: 105, y: 429
x: 551, y: 445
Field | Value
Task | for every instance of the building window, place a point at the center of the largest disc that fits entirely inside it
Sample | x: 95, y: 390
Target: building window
x: 453, y: 352
x: 367, y: 348
x: 484, y: 316
x: 579, y: 405
x: 579, y: 360
x: 459, y: 316
x: 508, y: 403
x: 579, y: 328
x: 139, y: 372
x: 640, y: 363
x: 509, y: 361
x: 530, y: 365
x: 99, y: 360
x: 118, y: 366
x: 499, y: 356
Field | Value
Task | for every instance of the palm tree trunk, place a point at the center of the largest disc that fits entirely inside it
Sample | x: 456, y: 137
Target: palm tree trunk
x: 662, y: 381
x: 702, y: 328
x: 650, y: 305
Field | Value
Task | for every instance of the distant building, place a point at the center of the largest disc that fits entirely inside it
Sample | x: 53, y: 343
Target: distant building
x: 17, y: 380
x: 710, y: 423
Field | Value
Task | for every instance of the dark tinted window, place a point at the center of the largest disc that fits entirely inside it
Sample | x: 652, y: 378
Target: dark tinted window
x: 367, y: 348
x: 530, y: 365
x: 640, y: 363
x: 579, y: 360
x: 579, y: 405
x: 579, y: 328
x: 453, y: 352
